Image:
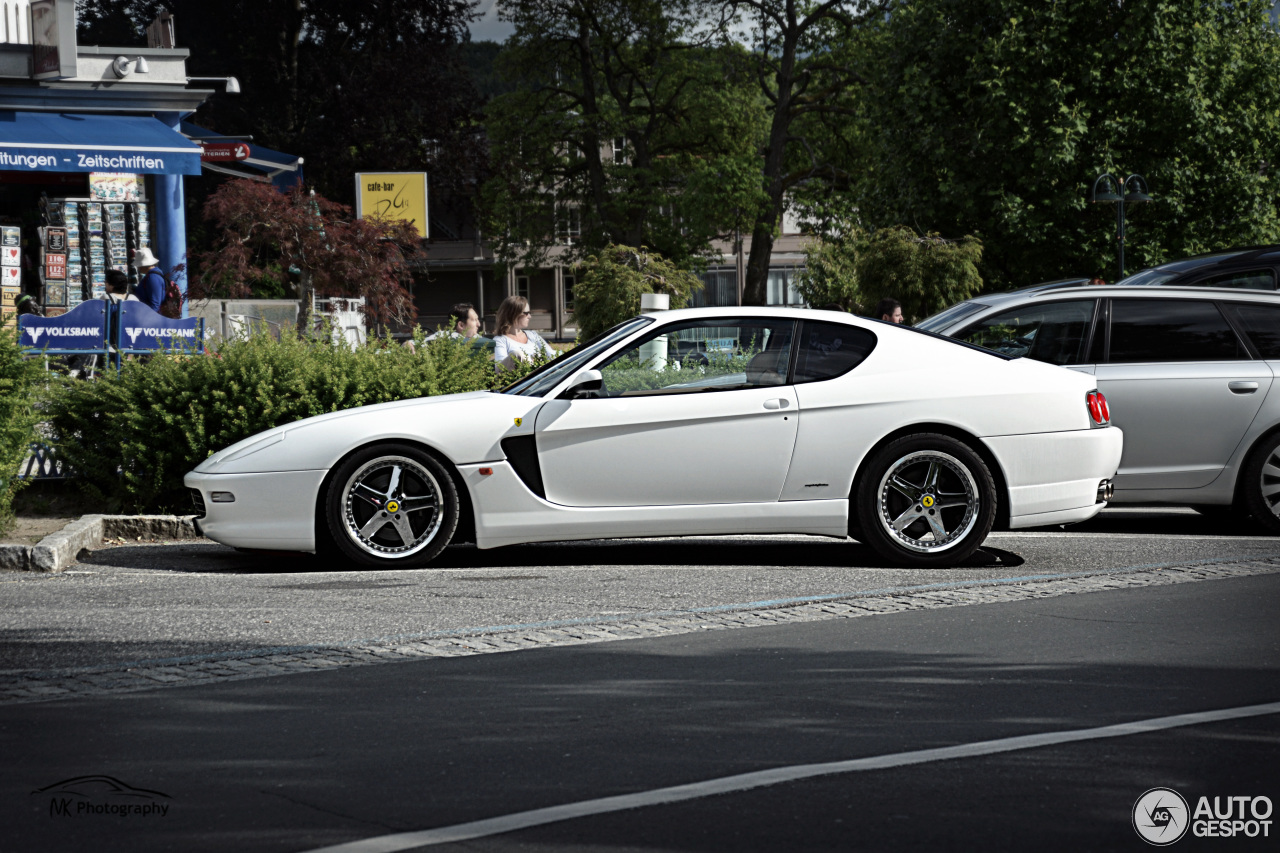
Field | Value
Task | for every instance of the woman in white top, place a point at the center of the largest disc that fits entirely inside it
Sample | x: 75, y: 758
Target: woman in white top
x: 514, y: 338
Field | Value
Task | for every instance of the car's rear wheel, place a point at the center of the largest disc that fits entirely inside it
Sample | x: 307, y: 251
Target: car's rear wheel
x: 1260, y: 484
x: 391, y: 506
x: 925, y: 499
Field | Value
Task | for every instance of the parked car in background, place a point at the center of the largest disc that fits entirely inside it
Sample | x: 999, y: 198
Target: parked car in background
x: 1254, y: 268
x: 1189, y: 373
x: 697, y: 421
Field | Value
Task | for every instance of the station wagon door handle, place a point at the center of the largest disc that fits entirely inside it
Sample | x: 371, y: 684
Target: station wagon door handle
x: 1242, y: 387
x: 776, y: 404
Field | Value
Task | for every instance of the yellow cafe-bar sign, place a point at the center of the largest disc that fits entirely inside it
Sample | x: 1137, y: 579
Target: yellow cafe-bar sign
x: 393, y: 195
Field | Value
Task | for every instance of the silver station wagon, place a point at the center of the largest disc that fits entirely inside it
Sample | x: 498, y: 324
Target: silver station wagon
x: 1189, y: 373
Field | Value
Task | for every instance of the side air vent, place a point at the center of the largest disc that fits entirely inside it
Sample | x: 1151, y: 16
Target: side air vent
x: 522, y: 453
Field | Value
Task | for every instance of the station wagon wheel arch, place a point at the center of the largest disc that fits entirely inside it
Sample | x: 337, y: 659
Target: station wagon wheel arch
x: 966, y: 438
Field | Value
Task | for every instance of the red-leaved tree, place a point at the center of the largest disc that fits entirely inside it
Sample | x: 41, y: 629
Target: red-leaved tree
x: 315, y: 244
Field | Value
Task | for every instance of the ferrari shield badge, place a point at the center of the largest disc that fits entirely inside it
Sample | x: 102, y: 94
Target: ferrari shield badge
x: 519, y: 421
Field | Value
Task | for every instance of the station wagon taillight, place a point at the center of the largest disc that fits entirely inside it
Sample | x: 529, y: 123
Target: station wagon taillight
x: 1098, y: 408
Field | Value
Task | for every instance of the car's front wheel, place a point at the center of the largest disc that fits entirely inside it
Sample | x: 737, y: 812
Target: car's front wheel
x: 391, y: 506
x: 1260, y: 484
x: 925, y: 499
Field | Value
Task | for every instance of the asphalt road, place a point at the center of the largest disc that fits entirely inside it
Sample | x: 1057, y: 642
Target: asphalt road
x: 297, y: 762
x: 131, y: 604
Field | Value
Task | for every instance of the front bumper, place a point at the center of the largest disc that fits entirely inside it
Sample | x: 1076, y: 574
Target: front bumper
x: 274, y: 511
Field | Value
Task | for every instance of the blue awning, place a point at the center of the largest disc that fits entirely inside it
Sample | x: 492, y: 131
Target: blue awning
x: 284, y: 171
x: 70, y: 142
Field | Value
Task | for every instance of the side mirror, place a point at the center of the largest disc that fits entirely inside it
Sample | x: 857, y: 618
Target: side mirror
x: 585, y: 384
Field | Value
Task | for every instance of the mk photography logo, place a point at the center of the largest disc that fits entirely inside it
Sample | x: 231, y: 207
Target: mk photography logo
x: 1160, y: 816
x: 86, y: 796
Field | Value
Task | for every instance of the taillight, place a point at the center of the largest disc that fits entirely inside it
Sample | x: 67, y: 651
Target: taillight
x: 1098, y: 409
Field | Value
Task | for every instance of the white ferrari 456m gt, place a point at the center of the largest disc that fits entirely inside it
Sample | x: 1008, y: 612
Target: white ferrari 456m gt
x: 689, y: 422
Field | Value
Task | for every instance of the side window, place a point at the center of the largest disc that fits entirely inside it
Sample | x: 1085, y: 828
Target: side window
x: 1242, y: 279
x: 828, y: 350
x: 1171, y: 330
x: 1262, y: 324
x: 716, y: 354
x: 1053, y: 332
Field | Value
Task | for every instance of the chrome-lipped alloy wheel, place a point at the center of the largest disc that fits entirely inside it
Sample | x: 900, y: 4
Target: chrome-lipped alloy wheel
x: 928, y: 501
x: 391, y: 507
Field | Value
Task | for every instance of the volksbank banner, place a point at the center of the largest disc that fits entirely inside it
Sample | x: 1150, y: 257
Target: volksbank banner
x: 83, y: 328
x: 71, y: 142
x: 134, y: 328
x: 141, y: 329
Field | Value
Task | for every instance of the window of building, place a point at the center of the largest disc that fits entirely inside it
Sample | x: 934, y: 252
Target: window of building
x: 719, y: 287
x: 522, y: 286
x: 781, y: 288
x: 569, y: 282
x: 569, y: 223
x: 620, y: 150
x: 1147, y: 330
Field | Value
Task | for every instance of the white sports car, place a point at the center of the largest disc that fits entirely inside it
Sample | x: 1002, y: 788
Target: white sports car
x: 697, y: 421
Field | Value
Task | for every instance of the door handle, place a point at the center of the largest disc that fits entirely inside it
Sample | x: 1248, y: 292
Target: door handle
x: 1242, y: 387
x: 776, y: 404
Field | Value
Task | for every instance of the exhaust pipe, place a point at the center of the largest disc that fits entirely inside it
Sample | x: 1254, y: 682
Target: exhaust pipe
x: 1105, y: 491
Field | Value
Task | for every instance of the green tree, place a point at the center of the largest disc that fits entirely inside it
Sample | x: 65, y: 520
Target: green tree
x: 20, y: 379
x: 993, y: 118
x: 611, y: 282
x: 830, y: 274
x: 631, y: 122
x: 925, y: 273
x: 805, y: 57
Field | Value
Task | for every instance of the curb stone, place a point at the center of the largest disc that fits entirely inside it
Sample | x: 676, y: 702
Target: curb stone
x: 58, y: 550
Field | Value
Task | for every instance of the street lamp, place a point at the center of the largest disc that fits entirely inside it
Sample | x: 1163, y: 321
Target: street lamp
x: 1134, y: 189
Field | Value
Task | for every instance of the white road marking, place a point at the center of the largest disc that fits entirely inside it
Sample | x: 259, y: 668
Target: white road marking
x: 778, y: 775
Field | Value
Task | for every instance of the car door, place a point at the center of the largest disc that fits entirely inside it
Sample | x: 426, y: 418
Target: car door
x: 1182, y: 386
x: 697, y: 413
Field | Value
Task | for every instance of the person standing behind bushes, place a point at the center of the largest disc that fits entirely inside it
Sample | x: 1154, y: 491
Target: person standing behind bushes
x: 889, y: 310
x: 514, y: 339
x: 152, y: 285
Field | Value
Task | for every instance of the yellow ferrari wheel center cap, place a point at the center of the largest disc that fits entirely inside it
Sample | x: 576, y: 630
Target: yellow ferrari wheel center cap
x: 927, y: 500
x: 393, y: 506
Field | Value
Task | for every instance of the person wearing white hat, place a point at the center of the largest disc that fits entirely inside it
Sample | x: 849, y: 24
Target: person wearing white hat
x: 152, y: 284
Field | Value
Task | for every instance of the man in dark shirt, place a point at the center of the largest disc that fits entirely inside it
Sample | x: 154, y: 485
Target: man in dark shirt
x: 151, y: 284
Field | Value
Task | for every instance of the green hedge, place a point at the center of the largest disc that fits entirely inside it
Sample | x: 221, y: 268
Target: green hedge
x: 130, y: 438
x: 20, y: 380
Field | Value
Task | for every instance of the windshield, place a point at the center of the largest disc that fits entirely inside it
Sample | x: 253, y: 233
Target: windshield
x: 950, y: 316
x: 556, y: 371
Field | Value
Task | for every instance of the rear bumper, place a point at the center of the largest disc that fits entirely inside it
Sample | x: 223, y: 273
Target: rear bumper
x: 1054, y: 478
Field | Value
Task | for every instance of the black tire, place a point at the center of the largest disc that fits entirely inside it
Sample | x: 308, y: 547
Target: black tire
x: 925, y: 500
x: 1259, y: 487
x: 391, y: 506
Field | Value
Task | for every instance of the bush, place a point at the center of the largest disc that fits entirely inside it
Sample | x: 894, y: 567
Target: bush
x: 20, y: 381
x: 611, y: 282
x: 131, y: 438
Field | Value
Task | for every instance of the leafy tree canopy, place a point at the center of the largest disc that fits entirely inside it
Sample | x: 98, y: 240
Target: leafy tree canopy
x: 994, y: 117
x: 611, y: 282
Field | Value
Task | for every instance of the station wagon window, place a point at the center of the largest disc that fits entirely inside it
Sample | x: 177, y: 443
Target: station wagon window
x: 1262, y: 324
x: 1052, y: 332
x: 1147, y: 330
x: 714, y: 354
x: 1242, y: 279
x: 828, y: 350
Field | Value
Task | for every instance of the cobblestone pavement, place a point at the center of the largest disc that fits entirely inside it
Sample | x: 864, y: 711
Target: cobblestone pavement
x: 259, y: 663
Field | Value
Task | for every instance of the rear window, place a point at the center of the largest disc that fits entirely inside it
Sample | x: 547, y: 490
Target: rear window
x: 1148, y: 330
x: 950, y: 316
x: 828, y: 350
